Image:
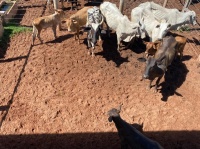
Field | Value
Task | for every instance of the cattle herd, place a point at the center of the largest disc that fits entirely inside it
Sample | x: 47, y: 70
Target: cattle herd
x: 147, y: 20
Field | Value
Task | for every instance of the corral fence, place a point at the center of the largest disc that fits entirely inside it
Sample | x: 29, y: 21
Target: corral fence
x: 19, y: 12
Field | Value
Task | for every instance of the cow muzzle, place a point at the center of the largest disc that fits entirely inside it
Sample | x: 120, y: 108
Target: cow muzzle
x: 69, y: 30
x: 143, y: 35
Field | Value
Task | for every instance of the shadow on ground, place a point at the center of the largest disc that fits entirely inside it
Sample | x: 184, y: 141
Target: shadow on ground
x: 174, y: 78
x: 110, y: 52
x: 109, y: 140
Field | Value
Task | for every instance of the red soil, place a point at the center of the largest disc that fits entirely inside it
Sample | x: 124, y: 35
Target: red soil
x: 54, y: 95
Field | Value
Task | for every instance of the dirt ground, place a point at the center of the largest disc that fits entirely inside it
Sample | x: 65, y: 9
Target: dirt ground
x: 54, y: 95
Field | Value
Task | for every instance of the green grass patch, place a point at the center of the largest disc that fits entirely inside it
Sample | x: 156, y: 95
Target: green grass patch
x: 10, y: 30
x: 184, y: 28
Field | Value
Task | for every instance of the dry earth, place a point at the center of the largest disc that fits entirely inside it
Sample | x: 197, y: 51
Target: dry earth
x: 54, y: 95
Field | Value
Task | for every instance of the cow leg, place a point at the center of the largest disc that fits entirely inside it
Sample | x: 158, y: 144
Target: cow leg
x: 89, y: 51
x: 78, y: 37
x: 54, y: 31
x: 181, y: 55
x: 157, y: 82
x: 62, y: 4
x: 100, y: 42
x: 75, y: 35
x: 107, y: 29
x: 38, y: 35
x: 33, y: 35
x: 89, y: 46
x: 149, y: 86
x: 59, y: 27
x: 118, y: 44
x: 33, y: 38
x: 176, y: 55
x: 93, y: 51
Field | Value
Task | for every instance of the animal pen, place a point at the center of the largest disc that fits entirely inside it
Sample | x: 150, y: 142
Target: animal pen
x: 54, y: 95
x: 192, y: 33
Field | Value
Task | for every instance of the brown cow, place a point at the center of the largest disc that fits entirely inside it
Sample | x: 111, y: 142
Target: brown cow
x: 152, y: 47
x: 47, y: 21
x: 156, y: 66
x: 77, y: 20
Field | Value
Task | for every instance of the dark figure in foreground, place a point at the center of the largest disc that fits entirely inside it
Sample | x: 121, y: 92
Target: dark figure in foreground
x: 130, y: 136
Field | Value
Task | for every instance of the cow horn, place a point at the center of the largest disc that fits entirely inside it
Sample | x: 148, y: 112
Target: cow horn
x: 101, y: 20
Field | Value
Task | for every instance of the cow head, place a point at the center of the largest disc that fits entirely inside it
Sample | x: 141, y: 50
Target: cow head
x: 60, y: 12
x: 154, y: 67
x: 114, y: 113
x: 191, y: 16
x: 93, y: 32
x: 160, y: 30
x: 152, y: 47
x: 72, y: 24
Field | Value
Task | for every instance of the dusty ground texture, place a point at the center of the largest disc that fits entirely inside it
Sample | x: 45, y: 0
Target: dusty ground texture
x: 54, y: 95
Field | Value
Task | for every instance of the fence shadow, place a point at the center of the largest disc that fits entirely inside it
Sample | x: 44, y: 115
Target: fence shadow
x: 12, y: 59
x: 6, y: 108
x: 101, y: 140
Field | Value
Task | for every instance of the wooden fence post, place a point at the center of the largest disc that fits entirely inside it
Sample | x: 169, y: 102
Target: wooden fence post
x: 165, y: 3
x: 121, y: 6
x: 187, y: 3
x: 55, y: 4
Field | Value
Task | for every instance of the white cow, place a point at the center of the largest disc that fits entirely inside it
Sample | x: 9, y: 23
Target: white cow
x: 154, y: 29
x: 172, y: 16
x: 120, y: 23
x: 94, y: 25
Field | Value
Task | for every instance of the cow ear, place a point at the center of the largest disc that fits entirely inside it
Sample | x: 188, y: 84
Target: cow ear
x: 119, y: 108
